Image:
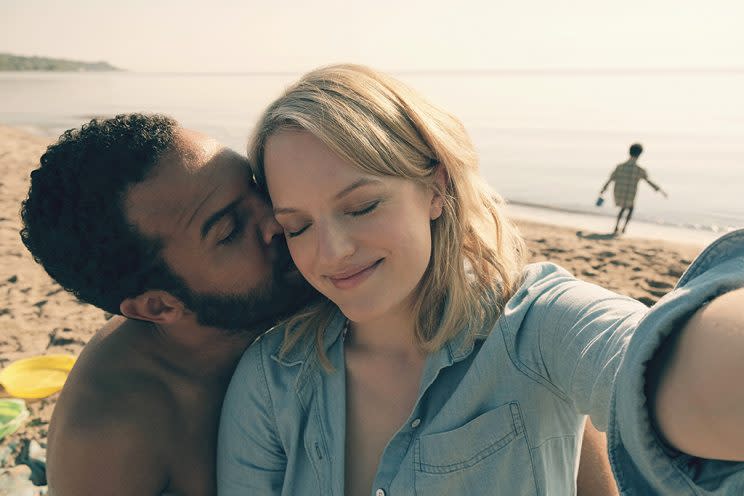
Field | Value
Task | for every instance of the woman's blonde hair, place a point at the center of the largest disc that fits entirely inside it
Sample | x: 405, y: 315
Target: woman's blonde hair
x: 380, y: 126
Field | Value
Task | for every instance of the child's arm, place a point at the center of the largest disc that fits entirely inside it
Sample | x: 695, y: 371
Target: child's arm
x: 656, y: 187
x: 612, y: 178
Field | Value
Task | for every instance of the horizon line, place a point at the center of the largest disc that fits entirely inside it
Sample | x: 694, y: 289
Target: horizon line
x: 483, y: 72
x: 457, y: 72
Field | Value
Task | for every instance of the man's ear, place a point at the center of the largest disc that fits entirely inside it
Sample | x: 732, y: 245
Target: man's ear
x: 440, y: 189
x: 159, y: 307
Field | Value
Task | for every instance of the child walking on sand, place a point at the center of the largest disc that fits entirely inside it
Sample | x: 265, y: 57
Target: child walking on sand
x: 626, y: 177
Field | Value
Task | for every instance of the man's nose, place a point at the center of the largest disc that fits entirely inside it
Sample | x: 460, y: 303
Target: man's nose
x: 269, y: 227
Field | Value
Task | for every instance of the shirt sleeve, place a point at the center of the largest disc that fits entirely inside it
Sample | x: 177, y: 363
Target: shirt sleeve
x: 250, y: 457
x: 642, y: 462
x: 593, y: 347
x: 571, y: 336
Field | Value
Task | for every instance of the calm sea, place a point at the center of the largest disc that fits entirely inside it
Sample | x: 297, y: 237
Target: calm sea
x: 548, y: 139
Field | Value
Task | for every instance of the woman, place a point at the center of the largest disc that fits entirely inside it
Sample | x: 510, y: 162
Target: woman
x: 438, y: 363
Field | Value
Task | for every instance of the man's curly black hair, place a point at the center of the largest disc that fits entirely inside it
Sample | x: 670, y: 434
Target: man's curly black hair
x: 73, y: 219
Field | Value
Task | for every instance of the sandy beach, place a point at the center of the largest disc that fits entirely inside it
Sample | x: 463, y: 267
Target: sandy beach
x: 39, y: 317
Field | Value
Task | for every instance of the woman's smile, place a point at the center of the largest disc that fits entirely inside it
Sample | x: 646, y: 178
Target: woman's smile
x: 354, y: 276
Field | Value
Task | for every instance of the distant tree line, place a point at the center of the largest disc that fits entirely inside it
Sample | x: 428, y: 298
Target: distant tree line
x: 10, y: 62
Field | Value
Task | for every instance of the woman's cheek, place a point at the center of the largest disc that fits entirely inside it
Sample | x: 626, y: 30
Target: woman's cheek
x: 299, y: 250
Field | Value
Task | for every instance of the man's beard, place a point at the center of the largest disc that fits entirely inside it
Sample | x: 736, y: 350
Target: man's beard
x: 255, y: 310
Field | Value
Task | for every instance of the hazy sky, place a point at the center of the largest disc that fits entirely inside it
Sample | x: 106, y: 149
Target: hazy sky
x: 288, y: 35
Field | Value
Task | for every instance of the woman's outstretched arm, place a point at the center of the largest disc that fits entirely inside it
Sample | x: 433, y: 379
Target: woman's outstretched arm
x: 699, y: 386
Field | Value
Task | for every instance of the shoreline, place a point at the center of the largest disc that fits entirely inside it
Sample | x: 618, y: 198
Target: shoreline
x: 587, y: 225
x: 599, y: 222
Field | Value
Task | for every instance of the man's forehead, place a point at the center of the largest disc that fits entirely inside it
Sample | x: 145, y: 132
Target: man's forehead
x: 197, y: 154
x: 198, y: 172
x: 196, y: 150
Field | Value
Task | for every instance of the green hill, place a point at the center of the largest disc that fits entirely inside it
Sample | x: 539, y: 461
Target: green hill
x: 10, y: 62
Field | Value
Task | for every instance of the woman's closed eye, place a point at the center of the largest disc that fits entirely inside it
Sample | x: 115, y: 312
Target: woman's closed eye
x: 364, y: 210
x: 368, y: 208
x: 297, y: 232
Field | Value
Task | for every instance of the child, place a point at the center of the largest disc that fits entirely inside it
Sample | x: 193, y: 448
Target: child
x: 626, y: 177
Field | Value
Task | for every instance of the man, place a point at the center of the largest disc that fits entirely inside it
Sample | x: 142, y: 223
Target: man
x: 626, y: 177
x: 161, y: 225
x: 145, y: 219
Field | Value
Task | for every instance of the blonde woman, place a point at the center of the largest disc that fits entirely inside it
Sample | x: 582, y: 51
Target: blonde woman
x: 438, y: 362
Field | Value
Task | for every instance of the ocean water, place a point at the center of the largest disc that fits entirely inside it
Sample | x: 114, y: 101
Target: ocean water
x: 545, y: 139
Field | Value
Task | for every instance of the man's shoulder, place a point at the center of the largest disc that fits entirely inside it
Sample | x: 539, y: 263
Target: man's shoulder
x: 110, y: 422
x: 101, y: 439
x: 111, y: 388
x: 94, y: 414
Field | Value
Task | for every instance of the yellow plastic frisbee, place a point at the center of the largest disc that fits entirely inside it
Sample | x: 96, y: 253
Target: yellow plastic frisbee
x: 36, y: 377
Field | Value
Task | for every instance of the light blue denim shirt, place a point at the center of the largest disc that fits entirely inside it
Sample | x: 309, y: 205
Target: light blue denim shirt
x: 502, y: 414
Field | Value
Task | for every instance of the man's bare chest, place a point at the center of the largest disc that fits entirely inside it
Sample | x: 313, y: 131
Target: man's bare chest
x: 193, y: 445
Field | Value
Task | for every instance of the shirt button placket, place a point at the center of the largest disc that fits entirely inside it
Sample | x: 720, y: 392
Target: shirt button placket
x: 380, y: 492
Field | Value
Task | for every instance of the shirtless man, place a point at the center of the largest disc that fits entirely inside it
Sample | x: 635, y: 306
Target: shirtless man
x: 162, y: 226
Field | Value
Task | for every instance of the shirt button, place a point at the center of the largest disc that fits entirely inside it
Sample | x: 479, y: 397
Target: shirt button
x: 379, y: 492
x: 415, y: 423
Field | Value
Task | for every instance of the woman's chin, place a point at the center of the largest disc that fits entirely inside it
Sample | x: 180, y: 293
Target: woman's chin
x: 359, y: 315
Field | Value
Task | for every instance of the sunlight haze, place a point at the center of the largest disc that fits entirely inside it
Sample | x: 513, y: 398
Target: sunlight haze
x: 292, y: 36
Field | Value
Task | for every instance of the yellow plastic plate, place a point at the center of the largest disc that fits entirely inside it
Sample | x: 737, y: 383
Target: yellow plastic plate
x: 36, y: 377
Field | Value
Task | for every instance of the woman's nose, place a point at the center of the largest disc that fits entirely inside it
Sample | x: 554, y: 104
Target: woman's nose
x: 334, y: 243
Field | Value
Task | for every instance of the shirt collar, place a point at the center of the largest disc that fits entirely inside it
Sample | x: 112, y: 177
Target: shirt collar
x: 453, y: 351
x: 302, y: 350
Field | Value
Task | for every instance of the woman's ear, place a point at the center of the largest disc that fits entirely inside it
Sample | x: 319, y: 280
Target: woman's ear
x: 440, y: 188
x: 159, y: 307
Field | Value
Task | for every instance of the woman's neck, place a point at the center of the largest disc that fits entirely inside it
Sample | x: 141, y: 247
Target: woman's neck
x: 391, y: 334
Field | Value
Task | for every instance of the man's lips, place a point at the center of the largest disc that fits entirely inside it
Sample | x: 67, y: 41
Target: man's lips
x: 354, y: 276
